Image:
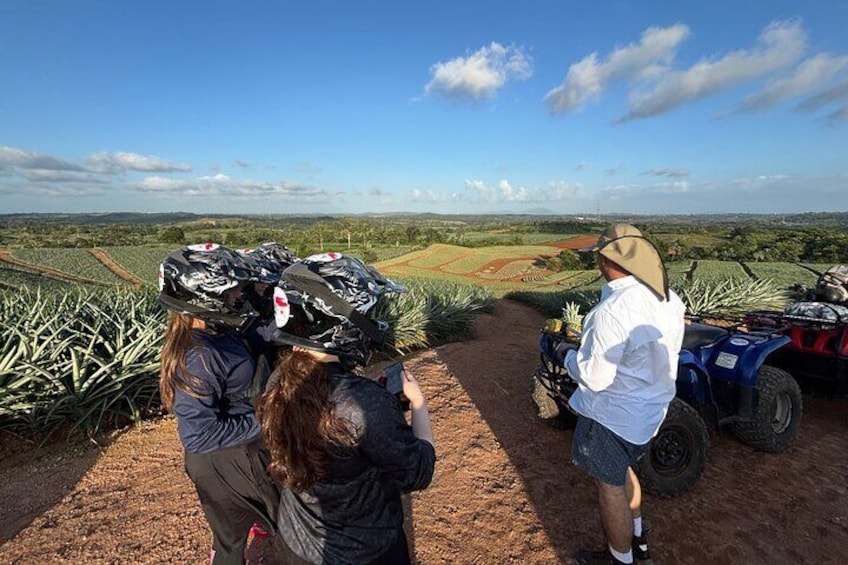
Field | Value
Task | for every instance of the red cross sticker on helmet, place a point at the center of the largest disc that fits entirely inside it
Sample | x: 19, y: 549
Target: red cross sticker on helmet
x: 323, y: 257
x: 282, y: 310
x: 204, y: 247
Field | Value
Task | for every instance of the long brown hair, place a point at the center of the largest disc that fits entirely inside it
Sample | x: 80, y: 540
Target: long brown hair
x: 299, y: 427
x: 172, y: 373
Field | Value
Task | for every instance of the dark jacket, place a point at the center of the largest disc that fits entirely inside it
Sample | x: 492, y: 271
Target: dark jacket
x: 222, y: 416
x: 355, y: 514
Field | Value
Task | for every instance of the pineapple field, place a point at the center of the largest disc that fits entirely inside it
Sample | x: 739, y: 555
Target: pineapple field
x: 82, y: 340
x: 80, y: 359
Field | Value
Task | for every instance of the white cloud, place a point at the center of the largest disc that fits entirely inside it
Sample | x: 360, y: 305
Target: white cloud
x: 781, y: 44
x: 822, y: 99
x: 119, y: 162
x: 162, y: 184
x: 505, y: 192
x: 223, y: 185
x: 50, y: 175
x: 480, y: 189
x: 807, y: 76
x: 617, y: 170
x: 667, y: 172
x: 481, y: 74
x: 64, y: 190
x: 23, y: 159
x: 429, y: 196
x: 379, y: 193
x: 563, y: 190
x: 838, y: 116
x: 588, y: 78
x: 765, y: 193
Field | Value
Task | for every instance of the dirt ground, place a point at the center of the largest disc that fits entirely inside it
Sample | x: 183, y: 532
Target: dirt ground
x: 504, y: 490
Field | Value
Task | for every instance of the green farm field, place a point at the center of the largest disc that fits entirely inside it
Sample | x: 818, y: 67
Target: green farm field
x: 500, y: 268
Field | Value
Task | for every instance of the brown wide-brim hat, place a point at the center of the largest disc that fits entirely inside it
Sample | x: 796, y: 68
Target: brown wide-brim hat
x: 624, y: 245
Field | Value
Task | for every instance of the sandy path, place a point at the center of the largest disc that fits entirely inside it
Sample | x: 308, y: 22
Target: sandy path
x: 119, y: 271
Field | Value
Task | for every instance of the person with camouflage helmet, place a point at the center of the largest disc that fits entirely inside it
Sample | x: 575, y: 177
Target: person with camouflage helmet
x: 205, y: 381
x: 340, y: 445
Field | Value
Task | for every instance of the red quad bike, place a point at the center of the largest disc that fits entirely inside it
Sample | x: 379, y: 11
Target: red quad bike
x: 722, y: 385
x: 817, y: 354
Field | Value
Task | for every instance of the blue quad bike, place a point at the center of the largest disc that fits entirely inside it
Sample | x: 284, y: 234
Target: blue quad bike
x: 722, y: 384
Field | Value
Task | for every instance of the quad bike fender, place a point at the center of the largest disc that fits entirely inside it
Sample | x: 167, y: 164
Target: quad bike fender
x: 692, y: 384
x: 738, y: 358
x: 693, y: 387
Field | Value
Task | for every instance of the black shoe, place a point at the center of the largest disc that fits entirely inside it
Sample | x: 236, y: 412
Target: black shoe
x: 589, y: 557
x: 641, y: 553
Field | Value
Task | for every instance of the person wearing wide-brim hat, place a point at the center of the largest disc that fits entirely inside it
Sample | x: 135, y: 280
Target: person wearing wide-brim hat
x: 626, y: 368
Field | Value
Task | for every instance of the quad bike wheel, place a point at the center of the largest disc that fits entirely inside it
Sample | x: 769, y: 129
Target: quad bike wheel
x: 678, y: 453
x: 778, y: 415
x: 547, y: 409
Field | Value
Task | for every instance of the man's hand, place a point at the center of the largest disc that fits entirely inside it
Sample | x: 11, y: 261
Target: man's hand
x: 561, y: 351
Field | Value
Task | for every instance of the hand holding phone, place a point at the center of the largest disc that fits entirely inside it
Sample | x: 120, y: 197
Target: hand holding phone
x: 393, y: 375
x: 392, y: 379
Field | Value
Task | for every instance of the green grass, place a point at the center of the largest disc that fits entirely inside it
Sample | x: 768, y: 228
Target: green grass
x: 19, y: 278
x: 717, y: 271
x: 143, y: 262
x: 782, y: 274
x: 508, y: 238
x: 73, y: 261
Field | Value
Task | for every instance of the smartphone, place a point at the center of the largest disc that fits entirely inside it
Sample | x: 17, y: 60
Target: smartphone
x: 394, y: 378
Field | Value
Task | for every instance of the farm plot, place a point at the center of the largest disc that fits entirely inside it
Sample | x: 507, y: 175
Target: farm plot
x: 18, y: 278
x: 143, y: 262
x: 818, y: 267
x: 782, y: 274
x: 716, y: 271
x: 508, y: 238
x: 439, y: 255
x: 420, y: 254
x: 678, y: 270
x: 510, y: 270
x: 579, y: 279
x: 478, y: 259
x: 72, y: 261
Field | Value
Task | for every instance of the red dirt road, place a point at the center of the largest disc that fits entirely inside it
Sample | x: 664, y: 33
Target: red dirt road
x: 504, y: 490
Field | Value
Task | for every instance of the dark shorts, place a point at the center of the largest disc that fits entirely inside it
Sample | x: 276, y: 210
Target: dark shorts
x: 602, y: 454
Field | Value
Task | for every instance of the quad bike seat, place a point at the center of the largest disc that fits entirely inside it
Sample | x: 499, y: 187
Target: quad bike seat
x: 698, y: 335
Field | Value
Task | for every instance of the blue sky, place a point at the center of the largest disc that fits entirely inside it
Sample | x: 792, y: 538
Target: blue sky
x: 450, y: 107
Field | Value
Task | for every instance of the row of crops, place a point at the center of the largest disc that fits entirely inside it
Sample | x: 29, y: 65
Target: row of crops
x: 86, y: 359
x: 438, y: 262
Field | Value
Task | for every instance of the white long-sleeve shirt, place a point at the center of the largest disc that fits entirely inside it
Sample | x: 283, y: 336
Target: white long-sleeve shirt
x: 626, y: 366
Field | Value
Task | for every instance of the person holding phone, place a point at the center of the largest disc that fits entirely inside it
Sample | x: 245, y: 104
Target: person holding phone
x: 339, y: 442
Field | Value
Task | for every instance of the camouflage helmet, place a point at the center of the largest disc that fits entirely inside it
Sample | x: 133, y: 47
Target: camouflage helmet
x: 208, y: 281
x: 268, y: 261
x: 328, y: 301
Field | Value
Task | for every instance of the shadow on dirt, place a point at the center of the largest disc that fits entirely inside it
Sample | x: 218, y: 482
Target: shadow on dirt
x: 496, y: 376
x: 34, y: 479
x: 749, y: 507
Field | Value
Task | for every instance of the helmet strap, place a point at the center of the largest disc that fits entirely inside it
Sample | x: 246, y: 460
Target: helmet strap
x: 305, y: 280
x: 171, y: 303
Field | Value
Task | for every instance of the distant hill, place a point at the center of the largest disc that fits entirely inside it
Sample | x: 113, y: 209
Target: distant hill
x: 799, y: 220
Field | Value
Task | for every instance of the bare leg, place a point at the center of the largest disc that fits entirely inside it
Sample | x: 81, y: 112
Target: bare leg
x: 634, y: 492
x: 616, y: 515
